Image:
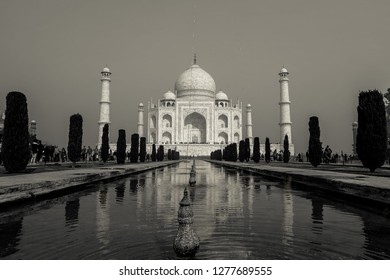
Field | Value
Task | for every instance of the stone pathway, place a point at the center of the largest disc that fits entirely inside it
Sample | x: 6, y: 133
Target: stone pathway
x: 40, y: 182
x: 345, y: 180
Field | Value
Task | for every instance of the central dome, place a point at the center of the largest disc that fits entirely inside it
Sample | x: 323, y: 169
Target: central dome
x: 195, y: 83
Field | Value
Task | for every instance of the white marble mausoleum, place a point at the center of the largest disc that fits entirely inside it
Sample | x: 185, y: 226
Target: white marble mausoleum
x: 194, y: 119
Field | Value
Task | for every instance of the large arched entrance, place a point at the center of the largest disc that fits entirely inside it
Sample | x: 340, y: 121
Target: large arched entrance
x: 194, y: 128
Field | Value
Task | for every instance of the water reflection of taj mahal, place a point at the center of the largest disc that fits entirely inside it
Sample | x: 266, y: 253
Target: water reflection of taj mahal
x: 194, y: 119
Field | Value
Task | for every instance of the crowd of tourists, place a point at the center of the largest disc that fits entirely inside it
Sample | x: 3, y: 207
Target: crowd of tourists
x: 46, y: 153
x: 328, y: 157
x: 43, y: 153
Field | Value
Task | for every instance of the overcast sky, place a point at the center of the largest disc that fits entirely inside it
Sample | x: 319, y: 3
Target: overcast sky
x: 53, y: 51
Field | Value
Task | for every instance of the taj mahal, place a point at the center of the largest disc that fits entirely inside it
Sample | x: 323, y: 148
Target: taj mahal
x: 194, y: 119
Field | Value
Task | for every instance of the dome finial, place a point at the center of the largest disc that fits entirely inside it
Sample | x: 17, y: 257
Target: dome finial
x: 194, y: 58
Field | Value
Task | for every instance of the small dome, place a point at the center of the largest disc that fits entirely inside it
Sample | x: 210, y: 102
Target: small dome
x: 284, y: 70
x: 221, y: 96
x: 249, y: 106
x: 105, y: 69
x: 141, y: 105
x: 169, y: 95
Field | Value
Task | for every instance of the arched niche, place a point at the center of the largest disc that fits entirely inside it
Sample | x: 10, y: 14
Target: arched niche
x: 194, y: 128
x: 236, y: 137
x: 222, y: 121
x: 222, y: 138
x: 166, y: 138
x: 167, y: 121
x: 236, y: 122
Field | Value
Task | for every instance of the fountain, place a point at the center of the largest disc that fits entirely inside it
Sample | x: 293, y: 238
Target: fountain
x: 186, y: 243
x: 192, y: 176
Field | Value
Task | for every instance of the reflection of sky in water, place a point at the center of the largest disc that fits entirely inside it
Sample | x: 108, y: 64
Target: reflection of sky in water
x: 237, y: 215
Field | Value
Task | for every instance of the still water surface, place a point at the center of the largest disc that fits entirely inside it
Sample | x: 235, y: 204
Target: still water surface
x: 237, y: 215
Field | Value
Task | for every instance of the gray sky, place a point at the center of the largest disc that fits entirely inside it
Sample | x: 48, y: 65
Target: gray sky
x: 53, y: 51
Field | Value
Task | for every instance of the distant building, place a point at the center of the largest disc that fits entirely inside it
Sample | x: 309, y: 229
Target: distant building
x: 194, y: 119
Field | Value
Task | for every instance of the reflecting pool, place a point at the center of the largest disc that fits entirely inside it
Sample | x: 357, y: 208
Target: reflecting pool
x: 237, y: 215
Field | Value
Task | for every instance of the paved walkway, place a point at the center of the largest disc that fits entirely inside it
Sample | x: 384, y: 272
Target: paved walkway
x: 46, y: 180
x: 347, y: 180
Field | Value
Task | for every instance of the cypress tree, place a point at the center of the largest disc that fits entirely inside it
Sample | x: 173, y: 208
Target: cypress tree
x: 247, y: 150
x: 121, y: 147
x: 234, y: 152
x: 142, y: 149
x: 267, y: 150
x: 315, y: 145
x: 286, y: 150
x: 169, y: 154
x: 175, y: 155
x: 75, y: 138
x: 229, y: 152
x: 256, y: 150
x: 105, y: 146
x: 154, y: 156
x: 134, y: 148
x: 218, y: 154
x: 160, y: 153
x: 371, y: 140
x: 241, y: 151
x: 16, y: 150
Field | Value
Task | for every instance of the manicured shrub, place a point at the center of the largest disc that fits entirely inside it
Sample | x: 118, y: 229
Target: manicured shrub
x: 175, y: 155
x: 256, y: 150
x: 142, y: 149
x: 160, y: 153
x: 234, y: 152
x: 134, y: 148
x: 247, y: 149
x: 371, y: 139
x: 315, y: 145
x: 105, y: 144
x: 15, y: 148
x: 154, y: 154
x: 241, y: 151
x: 286, y: 150
x: 75, y: 138
x: 121, y: 147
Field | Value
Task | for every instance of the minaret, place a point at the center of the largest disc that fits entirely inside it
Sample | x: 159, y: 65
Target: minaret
x: 285, y: 118
x: 249, y: 123
x: 104, y: 103
x: 141, y: 120
x: 354, y: 134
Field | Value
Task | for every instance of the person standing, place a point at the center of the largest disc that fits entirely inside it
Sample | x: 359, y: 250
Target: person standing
x: 84, y: 154
x: 63, y: 155
x: 89, y: 154
x: 34, y: 150
x: 40, y: 151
